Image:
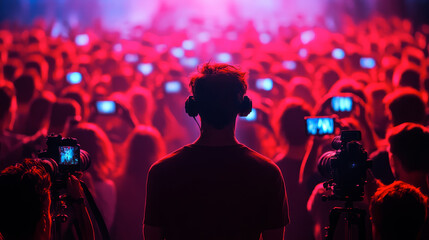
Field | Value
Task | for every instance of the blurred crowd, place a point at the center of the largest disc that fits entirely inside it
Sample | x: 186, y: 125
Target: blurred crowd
x: 123, y: 99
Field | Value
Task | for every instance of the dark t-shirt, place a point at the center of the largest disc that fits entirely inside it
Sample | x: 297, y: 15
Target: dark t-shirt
x: 202, y: 192
x: 301, y: 225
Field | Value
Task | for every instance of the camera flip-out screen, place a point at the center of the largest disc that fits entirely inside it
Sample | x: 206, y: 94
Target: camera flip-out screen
x: 68, y: 155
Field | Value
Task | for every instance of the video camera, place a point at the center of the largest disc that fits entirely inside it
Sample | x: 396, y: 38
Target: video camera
x: 63, y: 157
x: 346, y: 167
x: 67, y: 154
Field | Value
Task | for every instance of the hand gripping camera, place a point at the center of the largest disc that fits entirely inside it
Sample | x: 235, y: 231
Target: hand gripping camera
x: 67, y: 154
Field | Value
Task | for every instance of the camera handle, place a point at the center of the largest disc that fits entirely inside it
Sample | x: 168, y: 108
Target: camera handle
x: 354, y: 216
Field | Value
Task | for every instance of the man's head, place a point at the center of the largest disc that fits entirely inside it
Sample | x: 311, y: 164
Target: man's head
x: 398, y: 211
x: 25, y: 201
x: 26, y: 87
x: 218, y: 91
x: 406, y: 105
x: 408, y: 146
x: 410, y: 78
x: 291, y: 123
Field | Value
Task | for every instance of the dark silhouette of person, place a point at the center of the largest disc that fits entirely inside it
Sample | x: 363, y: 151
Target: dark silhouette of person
x: 291, y: 128
x: 216, y: 188
x: 398, y: 211
x: 143, y: 147
x: 25, y: 204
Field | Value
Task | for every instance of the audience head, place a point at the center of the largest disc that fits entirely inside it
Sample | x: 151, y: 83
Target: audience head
x: 142, y: 104
x: 408, y: 144
x: 25, y: 201
x: 80, y: 96
x: 7, y: 106
x: 406, y: 105
x: 300, y: 87
x: 377, y: 111
x: 93, y: 140
x: 12, y: 69
x: 329, y: 77
x: 144, y: 146
x: 291, y: 121
x: 349, y: 86
x: 398, y: 211
x: 218, y: 90
x: 26, y: 86
x: 410, y: 78
x: 63, y: 110
x: 39, y: 112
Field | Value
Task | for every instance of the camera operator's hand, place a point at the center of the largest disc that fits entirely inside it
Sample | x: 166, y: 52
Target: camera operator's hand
x: 74, y: 189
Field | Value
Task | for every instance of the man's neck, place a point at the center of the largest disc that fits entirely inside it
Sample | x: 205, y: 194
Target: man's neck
x: 211, y: 136
x: 417, y: 179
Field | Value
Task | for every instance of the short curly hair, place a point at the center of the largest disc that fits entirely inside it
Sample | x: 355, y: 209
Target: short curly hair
x: 398, y: 211
x: 218, y: 89
x: 409, y: 142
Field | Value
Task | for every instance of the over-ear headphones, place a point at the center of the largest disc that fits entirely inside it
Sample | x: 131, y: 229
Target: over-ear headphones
x: 192, y: 108
x: 245, y: 107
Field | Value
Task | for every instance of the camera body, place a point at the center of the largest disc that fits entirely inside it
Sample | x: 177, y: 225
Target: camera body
x: 66, y: 153
x: 345, y: 167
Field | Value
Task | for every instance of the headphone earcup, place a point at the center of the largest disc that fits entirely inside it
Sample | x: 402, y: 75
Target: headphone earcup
x: 245, y: 107
x: 191, y: 106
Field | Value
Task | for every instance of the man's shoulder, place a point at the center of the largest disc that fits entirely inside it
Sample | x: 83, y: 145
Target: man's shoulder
x: 240, y: 151
x: 262, y: 160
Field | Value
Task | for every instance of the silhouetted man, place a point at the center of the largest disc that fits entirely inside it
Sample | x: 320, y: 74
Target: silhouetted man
x: 216, y: 188
x: 398, y: 211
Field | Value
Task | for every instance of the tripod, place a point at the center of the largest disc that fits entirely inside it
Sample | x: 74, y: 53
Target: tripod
x: 62, y: 221
x: 354, y: 216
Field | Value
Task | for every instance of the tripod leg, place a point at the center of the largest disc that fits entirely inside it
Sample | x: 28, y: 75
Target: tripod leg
x: 361, y: 225
x: 334, y: 216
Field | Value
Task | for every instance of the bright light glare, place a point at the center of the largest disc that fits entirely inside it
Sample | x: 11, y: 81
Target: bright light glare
x: 191, y: 62
x: 160, y: 47
x: 58, y: 30
x: 177, y: 52
x: 188, y: 45
x: 204, y: 37
x: 224, y: 57
x: 117, y: 47
x: 232, y: 36
x: 145, y: 68
x: 74, y: 77
x: 251, y: 116
x: 131, y: 58
x: 173, y: 87
x: 338, y: 53
x: 264, y: 84
x: 367, y: 63
x: 290, y: 65
x: 106, y: 107
x: 307, y: 36
x: 264, y: 38
x: 303, y: 52
x: 82, y: 39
